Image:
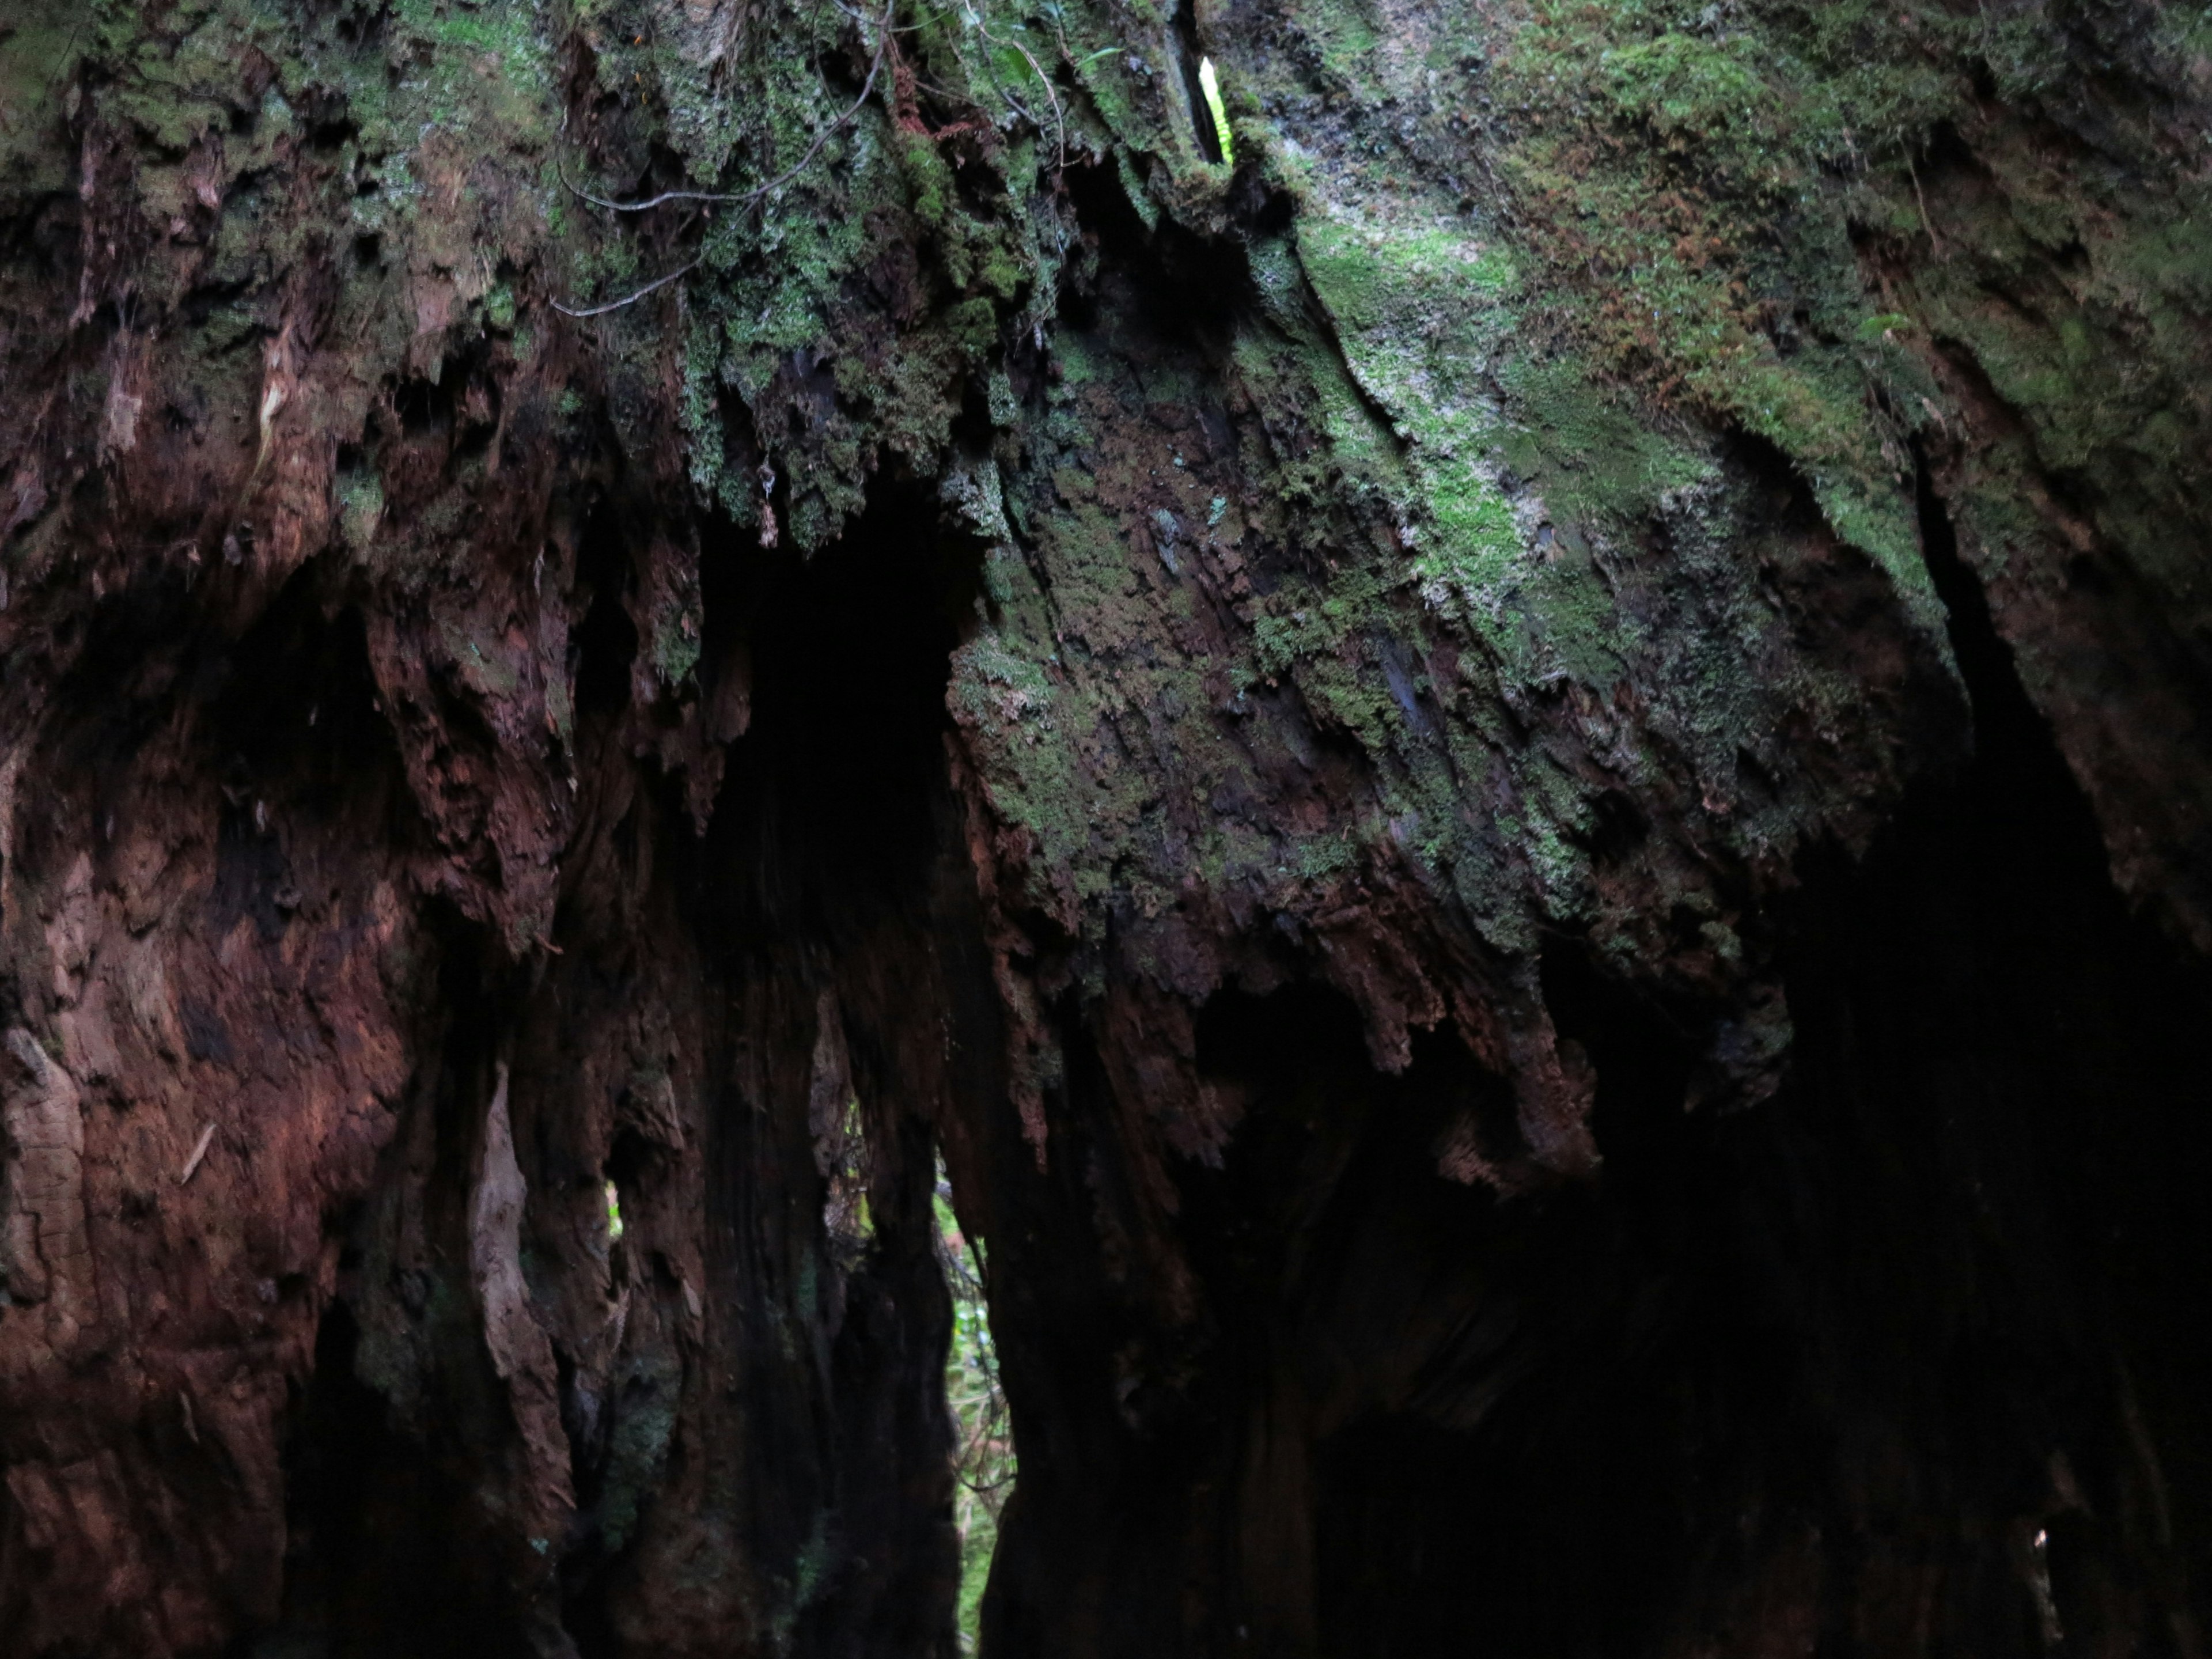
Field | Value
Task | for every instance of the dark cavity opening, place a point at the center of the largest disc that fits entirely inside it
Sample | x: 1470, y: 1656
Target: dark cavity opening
x: 837, y: 801
x: 377, y: 1563
x: 606, y: 642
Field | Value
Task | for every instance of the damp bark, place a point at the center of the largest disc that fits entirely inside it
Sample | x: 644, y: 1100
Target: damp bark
x: 1504, y: 764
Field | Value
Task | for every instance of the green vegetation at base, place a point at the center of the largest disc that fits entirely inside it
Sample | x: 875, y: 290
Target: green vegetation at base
x: 983, y: 1454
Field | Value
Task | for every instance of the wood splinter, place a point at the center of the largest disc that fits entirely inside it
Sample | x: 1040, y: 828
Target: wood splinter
x: 199, y: 1152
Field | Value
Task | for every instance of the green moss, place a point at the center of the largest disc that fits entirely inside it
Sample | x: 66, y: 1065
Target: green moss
x: 39, y: 49
x: 1691, y: 88
x: 1651, y: 169
x: 649, y: 1391
x: 676, y: 646
x: 361, y: 506
x: 1343, y: 35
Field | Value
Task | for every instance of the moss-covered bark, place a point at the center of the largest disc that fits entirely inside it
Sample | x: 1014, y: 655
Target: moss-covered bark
x: 1514, y: 769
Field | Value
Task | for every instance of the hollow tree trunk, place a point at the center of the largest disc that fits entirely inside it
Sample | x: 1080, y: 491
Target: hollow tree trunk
x: 1507, y: 756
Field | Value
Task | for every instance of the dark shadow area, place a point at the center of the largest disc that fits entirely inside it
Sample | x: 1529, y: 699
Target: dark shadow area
x: 372, y: 1567
x: 1161, y: 284
x: 814, y: 886
x: 604, y: 643
x: 1908, y: 1358
x: 832, y: 811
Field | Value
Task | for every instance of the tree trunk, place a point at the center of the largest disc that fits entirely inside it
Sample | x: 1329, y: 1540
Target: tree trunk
x: 1499, y: 744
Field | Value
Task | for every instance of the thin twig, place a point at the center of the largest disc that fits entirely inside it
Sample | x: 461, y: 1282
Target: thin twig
x: 665, y: 196
x: 1934, y: 242
x: 875, y: 66
x: 629, y: 299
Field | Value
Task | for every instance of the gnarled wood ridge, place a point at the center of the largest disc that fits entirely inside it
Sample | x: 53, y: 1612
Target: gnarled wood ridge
x: 1512, y: 774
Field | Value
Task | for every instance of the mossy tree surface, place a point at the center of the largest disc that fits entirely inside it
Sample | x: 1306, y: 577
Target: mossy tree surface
x: 661, y: 612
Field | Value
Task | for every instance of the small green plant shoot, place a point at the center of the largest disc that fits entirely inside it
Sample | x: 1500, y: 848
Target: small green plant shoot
x: 1210, y: 84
